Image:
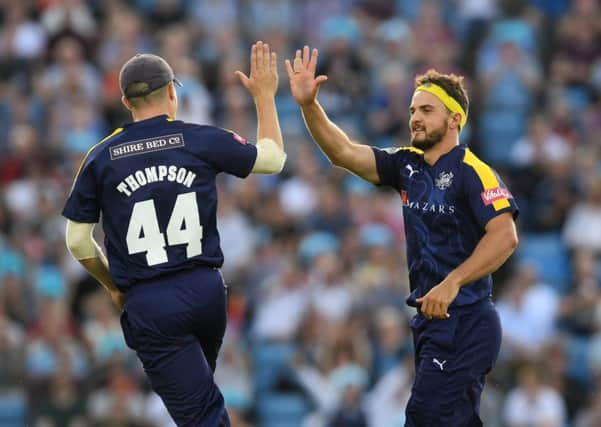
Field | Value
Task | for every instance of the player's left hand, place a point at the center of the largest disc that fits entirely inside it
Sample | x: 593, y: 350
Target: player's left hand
x: 303, y: 83
x: 435, y: 303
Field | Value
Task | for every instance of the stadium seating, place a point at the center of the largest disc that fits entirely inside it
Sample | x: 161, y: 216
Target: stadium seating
x: 548, y: 254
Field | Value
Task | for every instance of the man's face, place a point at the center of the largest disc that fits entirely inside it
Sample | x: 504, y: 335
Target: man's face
x: 428, y: 120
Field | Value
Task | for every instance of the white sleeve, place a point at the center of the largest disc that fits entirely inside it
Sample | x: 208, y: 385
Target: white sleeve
x: 80, y: 242
x: 270, y: 157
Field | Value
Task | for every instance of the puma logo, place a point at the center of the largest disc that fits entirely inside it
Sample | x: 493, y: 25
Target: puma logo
x: 439, y: 363
x: 411, y: 170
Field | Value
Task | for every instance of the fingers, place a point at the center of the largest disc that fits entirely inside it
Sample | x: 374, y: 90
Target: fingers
x: 274, y: 62
x: 320, y: 79
x: 306, y: 56
x: 439, y: 311
x: 305, y: 59
x: 266, y: 57
x: 289, y: 69
x: 243, y: 78
x: 313, y: 60
x: 432, y: 309
x: 298, y: 62
x: 260, y: 55
x: 261, y: 60
x: 425, y: 309
x: 253, y: 59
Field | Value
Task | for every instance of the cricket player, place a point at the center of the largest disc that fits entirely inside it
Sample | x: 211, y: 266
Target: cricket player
x: 459, y: 221
x: 153, y: 181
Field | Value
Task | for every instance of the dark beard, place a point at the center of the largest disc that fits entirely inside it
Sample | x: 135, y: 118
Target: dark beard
x: 430, y: 140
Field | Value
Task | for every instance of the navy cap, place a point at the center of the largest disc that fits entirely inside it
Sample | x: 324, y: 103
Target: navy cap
x: 146, y: 68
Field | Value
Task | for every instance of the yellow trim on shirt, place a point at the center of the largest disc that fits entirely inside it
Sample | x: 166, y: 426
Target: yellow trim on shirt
x: 487, y: 177
x: 412, y: 149
x: 115, y: 132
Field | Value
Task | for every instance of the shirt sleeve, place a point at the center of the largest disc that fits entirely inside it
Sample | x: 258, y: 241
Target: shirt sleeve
x: 388, y: 164
x: 82, y: 204
x: 228, y: 152
x: 488, y: 195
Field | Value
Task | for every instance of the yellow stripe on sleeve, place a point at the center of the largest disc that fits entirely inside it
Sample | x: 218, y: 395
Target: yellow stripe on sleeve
x: 487, y: 177
x: 115, y: 132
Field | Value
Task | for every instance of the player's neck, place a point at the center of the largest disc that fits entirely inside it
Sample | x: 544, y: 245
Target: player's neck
x: 447, y: 144
x: 148, y: 113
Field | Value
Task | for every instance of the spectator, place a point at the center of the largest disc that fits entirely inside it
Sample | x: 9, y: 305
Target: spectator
x: 582, y: 228
x: 578, y: 307
x: 532, y: 403
x: 541, y: 144
x: 526, y: 301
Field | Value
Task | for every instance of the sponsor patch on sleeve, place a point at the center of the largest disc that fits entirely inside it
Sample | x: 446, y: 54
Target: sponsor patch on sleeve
x: 494, y: 194
x: 239, y: 138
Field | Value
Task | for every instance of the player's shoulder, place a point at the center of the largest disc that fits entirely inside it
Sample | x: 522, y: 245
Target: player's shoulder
x: 206, y: 128
x: 202, y: 129
x: 475, y: 167
x: 95, y: 150
x: 101, y: 145
x: 215, y: 133
x: 471, y: 161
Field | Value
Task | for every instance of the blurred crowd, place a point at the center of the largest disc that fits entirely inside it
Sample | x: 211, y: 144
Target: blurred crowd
x: 318, y: 330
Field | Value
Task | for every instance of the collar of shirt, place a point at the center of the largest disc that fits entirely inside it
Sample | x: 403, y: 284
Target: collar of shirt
x: 150, y: 121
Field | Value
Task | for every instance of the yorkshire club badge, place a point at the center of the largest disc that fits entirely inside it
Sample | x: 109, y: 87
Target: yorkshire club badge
x: 444, y: 180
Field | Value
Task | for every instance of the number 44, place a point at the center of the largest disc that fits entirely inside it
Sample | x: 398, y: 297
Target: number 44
x: 183, y: 228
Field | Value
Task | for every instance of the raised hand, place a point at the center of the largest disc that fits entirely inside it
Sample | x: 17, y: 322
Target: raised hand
x: 263, y: 80
x: 303, y: 83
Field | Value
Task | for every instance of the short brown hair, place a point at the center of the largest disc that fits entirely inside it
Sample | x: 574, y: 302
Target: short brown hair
x: 153, y: 98
x: 451, y: 83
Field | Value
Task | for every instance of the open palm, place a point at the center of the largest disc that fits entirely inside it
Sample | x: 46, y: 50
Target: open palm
x: 263, y: 78
x: 303, y: 83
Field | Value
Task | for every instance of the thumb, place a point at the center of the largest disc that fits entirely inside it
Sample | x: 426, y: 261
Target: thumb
x: 320, y: 79
x: 420, y: 299
x: 243, y: 78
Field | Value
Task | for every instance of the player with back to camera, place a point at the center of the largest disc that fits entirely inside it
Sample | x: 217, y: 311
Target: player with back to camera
x: 459, y: 226
x: 153, y: 180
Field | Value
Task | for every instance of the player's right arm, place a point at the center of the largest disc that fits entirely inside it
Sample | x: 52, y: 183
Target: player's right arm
x: 82, y: 211
x: 336, y: 145
x: 84, y: 248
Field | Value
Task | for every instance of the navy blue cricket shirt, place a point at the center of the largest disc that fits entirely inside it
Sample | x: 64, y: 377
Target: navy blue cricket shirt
x: 154, y: 183
x: 445, y: 209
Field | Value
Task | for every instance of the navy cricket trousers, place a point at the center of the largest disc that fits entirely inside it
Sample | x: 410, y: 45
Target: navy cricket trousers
x: 452, y: 358
x: 176, y: 324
